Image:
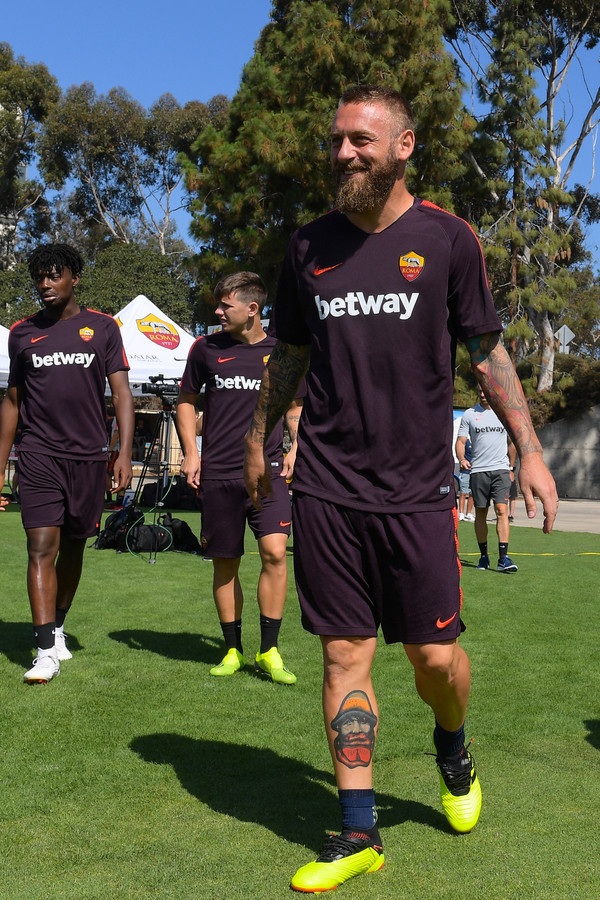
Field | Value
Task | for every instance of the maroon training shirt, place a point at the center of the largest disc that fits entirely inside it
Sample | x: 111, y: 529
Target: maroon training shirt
x: 61, y: 368
x: 381, y: 313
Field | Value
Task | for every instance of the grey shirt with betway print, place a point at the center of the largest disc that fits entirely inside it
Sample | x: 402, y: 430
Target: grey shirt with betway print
x: 488, y: 438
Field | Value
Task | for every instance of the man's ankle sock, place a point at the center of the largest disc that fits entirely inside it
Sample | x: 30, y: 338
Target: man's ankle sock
x: 483, y: 548
x: 61, y: 615
x: 448, y: 743
x: 44, y: 636
x: 232, y: 635
x: 358, y: 811
x: 502, y: 550
x: 269, y: 633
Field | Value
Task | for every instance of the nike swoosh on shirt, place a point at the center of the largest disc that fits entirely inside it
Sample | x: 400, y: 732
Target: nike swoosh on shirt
x: 225, y: 359
x: 319, y: 271
x: 285, y: 524
x: 440, y: 624
x: 35, y: 340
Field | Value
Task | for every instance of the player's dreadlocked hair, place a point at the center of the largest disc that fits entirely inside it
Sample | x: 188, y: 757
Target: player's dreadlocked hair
x: 54, y: 256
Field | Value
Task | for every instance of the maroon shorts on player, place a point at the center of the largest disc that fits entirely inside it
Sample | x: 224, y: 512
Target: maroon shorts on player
x: 358, y: 570
x: 226, y: 508
x: 68, y: 493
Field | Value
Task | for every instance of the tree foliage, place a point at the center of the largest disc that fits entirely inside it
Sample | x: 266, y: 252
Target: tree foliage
x: 255, y: 181
x: 120, y: 272
x: 519, y: 54
x: 122, y: 159
x: 18, y: 297
x: 27, y: 95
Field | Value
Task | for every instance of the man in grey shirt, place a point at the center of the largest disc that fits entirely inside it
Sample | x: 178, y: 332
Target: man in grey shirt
x: 492, y: 473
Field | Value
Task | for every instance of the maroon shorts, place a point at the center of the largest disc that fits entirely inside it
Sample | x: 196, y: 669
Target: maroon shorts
x: 67, y: 493
x: 358, y: 570
x: 226, y: 508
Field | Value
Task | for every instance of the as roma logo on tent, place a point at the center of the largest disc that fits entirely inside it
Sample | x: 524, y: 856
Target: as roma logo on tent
x: 158, y: 331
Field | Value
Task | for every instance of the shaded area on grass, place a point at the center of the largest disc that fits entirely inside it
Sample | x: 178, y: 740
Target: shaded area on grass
x: 17, y: 642
x: 254, y: 784
x: 181, y: 645
x: 593, y: 738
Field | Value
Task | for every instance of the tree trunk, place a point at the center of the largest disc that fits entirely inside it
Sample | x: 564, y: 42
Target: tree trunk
x: 547, y: 344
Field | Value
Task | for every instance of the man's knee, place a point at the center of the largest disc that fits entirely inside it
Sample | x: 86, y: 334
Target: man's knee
x: 438, y: 661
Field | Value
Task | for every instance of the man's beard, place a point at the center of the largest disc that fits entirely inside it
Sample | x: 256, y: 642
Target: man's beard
x: 360, y: 195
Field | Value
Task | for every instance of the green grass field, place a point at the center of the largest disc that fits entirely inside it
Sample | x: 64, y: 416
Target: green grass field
x: 135, y: 774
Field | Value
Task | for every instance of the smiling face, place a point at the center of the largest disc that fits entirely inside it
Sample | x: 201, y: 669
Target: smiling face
x: 368, y: 156
x: 56, y: 290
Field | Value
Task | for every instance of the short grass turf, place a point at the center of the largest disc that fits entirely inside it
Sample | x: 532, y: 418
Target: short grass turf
x: 135, y: 774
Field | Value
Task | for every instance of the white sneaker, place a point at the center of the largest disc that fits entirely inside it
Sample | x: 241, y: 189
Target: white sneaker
x: 469, y: 517
x: 44, y: 668
x: 60, y: 645
x: 461, y: 517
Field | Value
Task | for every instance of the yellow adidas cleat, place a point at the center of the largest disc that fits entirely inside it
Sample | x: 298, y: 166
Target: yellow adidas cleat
x: 342, y: 858
x: 461, y: 791
x: 231, y: 663
x: 271, y: 664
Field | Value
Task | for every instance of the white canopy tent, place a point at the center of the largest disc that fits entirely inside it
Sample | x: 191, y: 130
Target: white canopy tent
x: 155, y: 345
x: 4, y: 360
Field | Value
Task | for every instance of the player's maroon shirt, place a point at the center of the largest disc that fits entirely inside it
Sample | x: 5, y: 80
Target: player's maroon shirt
x: 232, y: 371
x: 61, y: 366
x: 382, y: 313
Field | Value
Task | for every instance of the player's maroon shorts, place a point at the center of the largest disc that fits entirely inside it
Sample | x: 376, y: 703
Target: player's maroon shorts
x: 226, y: 508
x: 68, y: 493
x: 358, y: 570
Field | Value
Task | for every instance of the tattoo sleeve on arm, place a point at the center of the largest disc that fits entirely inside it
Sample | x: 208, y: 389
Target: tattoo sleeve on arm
x: 500, y: 383
x: 284, y: 371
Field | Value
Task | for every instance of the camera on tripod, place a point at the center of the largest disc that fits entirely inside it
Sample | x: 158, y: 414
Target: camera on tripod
x: 165, y: 388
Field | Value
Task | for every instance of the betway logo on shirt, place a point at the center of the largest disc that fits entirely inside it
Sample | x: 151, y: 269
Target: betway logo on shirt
x: 485, y: 429
x: 355, y: 303
x: 238, y: 383
x: 63, y: 359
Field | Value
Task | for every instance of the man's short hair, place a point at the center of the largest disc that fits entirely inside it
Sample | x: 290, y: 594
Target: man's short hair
x: 397, y: 106
x: 247, y: 285
x: 47, y: 257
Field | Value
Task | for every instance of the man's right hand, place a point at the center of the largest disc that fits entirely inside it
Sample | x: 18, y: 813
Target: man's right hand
x: 190, y: 468
x: 257, y: 473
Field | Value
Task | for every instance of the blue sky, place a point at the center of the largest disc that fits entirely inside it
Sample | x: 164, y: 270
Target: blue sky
x: 193, y: 50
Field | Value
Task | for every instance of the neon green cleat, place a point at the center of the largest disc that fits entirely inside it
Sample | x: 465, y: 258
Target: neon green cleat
x: 461, y: 791
x: 272, y: 664
x: 342, y: 857
x: 230, y: 664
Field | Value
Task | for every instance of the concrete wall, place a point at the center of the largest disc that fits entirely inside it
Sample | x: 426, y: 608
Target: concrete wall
x: 572, y: 452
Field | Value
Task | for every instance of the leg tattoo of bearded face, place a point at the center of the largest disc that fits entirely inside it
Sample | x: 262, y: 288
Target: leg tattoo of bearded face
x: 355, y: 724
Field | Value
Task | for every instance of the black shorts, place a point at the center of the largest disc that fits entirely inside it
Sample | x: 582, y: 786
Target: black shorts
x: 487, y: 486
x: 358, y: 570
x: 68, y: 493
x: 226, y: 508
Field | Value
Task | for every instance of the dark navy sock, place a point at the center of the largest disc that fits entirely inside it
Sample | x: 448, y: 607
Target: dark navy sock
x: 358, y: 809
x: 448, y: 743
x: 483, y: 548
x: 502, y: 550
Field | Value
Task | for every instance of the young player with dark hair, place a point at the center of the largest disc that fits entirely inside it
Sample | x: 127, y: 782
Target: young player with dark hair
x: 371, y: 301
x: 230, y: 365
x: 60, y: 359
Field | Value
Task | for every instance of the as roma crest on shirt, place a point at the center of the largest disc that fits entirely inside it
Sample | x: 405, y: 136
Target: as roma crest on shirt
x: 411, y: 265
x: 86, y: 334
x: 266, y: 359
x: 158, y: 331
